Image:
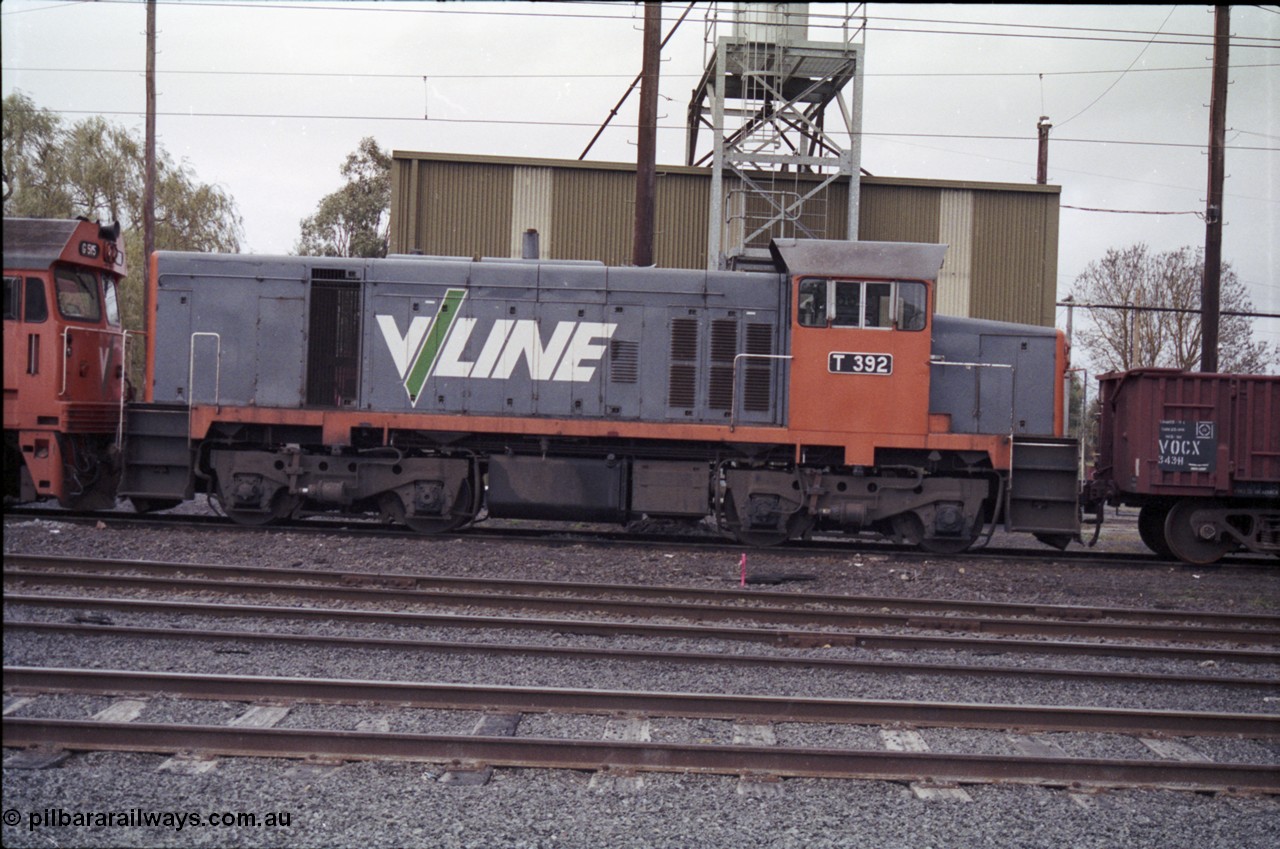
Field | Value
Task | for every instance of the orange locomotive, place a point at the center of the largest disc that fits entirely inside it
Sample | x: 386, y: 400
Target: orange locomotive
x: 824, y: 395
x: 63, y: 361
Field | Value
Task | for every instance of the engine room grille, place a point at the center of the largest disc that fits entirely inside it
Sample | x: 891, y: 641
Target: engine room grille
x: 724, y: 347
x: 333, y: 344
x: 682, y: 387
x: 757, y: 392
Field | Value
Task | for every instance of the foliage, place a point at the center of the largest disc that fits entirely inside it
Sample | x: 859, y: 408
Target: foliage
x: 1120, y: 339
x: 354, y: 220
x: 97, y: 170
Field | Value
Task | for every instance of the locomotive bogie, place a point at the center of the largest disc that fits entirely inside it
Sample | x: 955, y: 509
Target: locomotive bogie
x: 259, y: 486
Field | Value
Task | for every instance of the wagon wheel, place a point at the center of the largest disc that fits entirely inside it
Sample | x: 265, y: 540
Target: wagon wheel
x: 1151, y: 519
x: 458, y: 516
x: 1197, y: 543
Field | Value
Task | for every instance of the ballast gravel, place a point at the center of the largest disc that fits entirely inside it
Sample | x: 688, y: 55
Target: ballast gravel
x: 390, y: 804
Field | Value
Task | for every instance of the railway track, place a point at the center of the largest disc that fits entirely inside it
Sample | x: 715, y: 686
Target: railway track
x: 682, y: 539
x: 478, y: 751
x: 788, y: 619
x: 792, y: 618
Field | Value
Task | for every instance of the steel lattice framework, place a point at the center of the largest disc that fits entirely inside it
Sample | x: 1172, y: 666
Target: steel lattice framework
x: 764, y: 96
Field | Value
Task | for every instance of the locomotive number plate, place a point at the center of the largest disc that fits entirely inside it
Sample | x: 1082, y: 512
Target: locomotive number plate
x: 847, y: 362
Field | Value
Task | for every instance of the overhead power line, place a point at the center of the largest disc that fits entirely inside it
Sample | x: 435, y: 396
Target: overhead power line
x: 817, y: 20
x: 544, y: 123
x: 597, y: 76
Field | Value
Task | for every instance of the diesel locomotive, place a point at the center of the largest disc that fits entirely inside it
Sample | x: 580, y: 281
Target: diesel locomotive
x: 824, y: 395
x: 64, y: 351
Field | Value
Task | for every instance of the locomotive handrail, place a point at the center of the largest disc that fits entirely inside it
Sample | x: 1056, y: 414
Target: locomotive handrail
x: 733, y: 397
x: 66, y: 339
x: 124, y: 380
x: 191, y: 373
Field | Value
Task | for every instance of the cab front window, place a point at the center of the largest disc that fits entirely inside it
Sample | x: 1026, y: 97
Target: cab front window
x: 78, y: 294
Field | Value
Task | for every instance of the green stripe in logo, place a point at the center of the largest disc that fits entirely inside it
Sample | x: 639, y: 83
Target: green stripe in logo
x: 434, y: 341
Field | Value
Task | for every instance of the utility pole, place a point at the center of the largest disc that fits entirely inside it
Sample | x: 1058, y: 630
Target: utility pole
x: 149, y: 165
x: 1042, y: 159
x: 647, y: 140
x: 1210, y: 285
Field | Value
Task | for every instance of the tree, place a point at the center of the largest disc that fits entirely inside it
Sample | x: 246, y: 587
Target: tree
x: 95, y: 169
x: 1128, y: 336
x: 354, y: 220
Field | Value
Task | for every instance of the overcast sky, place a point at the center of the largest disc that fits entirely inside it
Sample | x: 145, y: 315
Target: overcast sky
x: 266, y: 99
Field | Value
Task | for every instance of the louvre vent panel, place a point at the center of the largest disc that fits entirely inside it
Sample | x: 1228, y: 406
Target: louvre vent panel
x: 624, y: 361
x: 721, y: 389
x: 682, y: 391
x: 724, y: 340
x: 758, y: 388
x: 682, y: 385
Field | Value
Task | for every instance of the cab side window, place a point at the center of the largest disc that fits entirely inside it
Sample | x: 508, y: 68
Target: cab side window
x: 111, y: 301
x: 37, y: 307
x: 813, y: 303
x: 12, y: 298
x: 911, y: 306
x: 896, y: 305
x: 879, y: 305
x: 848, y: 304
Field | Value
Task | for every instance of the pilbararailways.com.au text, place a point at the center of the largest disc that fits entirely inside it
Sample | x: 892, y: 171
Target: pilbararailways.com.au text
x: 142, y: 818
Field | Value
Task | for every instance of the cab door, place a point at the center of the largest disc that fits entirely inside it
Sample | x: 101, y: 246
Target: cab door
x: 860, y: 363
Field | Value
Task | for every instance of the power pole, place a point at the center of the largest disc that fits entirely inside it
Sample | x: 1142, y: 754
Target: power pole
x: 149, y: 165
x: 647, y: 140
x: 1210, y: 288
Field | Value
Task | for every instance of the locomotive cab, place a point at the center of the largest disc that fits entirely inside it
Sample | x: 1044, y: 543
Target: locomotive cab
x: 63, y: 361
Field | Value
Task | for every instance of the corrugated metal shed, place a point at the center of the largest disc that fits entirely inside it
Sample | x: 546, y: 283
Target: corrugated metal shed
x: 1003, y: 237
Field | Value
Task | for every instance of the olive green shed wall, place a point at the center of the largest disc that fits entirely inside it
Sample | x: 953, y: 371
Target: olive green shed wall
x: 1003, y: 238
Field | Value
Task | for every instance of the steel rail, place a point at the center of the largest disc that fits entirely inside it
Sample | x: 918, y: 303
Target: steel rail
x: 567, y: 536
x: 752, y: 596
x: 775, y: 636
x: 749, y: 708
x: 655, y: 609
x: 872, y: 667
x: 90, y: 735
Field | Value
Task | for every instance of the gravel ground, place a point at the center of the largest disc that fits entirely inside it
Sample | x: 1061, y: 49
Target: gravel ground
x: 399, y: 804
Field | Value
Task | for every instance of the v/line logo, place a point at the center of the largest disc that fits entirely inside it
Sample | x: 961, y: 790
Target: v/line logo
x: 436, y: 346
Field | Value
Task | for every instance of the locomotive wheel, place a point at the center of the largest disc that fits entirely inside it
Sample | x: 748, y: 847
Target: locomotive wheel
x: 761, y: 539
x: 1151, y: 519
x: 151, y: 505
x: 909, y: 528
x: 1187, y: 540
x: 393, y: 507
x: 282, y: 506
x: 947, y: 545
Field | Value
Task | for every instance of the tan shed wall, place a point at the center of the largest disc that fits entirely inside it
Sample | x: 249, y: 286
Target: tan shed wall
x: 1003, y: 238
